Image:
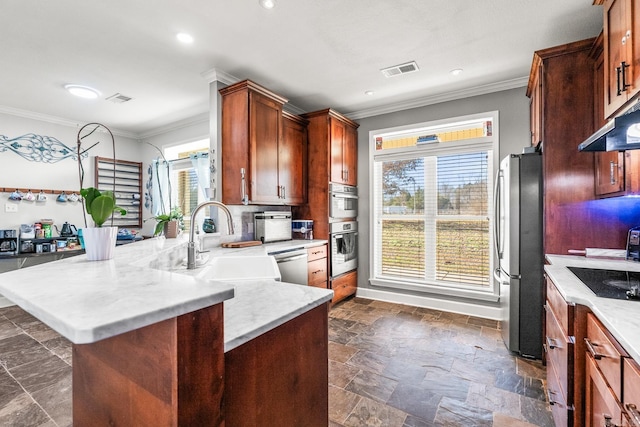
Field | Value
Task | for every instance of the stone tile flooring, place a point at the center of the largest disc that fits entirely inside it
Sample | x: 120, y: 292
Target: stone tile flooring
x: 390, y: 365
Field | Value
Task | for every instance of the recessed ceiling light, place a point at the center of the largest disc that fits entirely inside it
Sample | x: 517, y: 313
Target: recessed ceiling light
x: 369, y: 93
x: 82, y: 91
x: 456, y: 71
x: 184, y: 38
x: 267, y: 4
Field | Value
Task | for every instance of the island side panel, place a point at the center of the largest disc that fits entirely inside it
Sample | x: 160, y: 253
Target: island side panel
x: 166, y: 374
x: 281, y: 377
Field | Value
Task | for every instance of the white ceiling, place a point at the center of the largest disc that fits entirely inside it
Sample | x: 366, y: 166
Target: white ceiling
x: 318, y: 54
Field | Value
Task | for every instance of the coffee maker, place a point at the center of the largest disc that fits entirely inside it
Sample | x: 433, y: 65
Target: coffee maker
x: 633, y: 244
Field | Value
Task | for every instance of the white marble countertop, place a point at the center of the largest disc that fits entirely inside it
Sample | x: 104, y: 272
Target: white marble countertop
x: 86, y: 301
x: 620, y: 317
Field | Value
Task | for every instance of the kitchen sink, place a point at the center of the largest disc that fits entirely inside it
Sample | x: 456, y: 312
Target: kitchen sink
x: 234, y: 268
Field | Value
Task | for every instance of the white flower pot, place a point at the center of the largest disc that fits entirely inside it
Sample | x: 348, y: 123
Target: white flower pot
x: 99, y: 242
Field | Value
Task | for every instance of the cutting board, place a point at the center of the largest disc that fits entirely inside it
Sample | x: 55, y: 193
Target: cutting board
x: 241, y: 244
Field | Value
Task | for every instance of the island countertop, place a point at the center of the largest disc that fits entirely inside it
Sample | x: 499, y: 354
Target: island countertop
x: 620, y: 317
x: 86, y: 301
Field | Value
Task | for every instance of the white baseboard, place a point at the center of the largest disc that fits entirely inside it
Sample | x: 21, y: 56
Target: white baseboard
x: 459, y: 307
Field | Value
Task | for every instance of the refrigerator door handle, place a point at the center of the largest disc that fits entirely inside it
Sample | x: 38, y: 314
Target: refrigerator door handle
x: 498, y: 275
x: 496, y: 212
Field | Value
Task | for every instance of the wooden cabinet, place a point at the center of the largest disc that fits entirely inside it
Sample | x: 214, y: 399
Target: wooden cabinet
x: 262, y: 151
x: 340, y: 134
x: 292, y: 160
x: 317, y: 270
x: 603, y: 389
x: 565, y: 328
x: 631, y: 393
x: 344, y: 286
x: 621, y: 54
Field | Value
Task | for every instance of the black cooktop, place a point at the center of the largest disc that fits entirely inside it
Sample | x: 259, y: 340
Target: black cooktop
x: 610, y: 283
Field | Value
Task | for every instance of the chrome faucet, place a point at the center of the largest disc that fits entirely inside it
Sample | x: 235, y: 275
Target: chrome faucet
x: 191, y: 246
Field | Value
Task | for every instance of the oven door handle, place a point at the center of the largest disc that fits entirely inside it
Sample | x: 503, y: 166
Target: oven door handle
x: 343, y: 196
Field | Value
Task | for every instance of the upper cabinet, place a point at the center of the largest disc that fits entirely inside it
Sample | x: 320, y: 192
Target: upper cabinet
x: 342, y: 136
x: 262, y: 152
x: 621, y: 54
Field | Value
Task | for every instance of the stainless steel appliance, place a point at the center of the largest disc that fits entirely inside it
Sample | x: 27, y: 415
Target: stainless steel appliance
x: 343, y: 244
x: 518, y: 241
x: 633, y: 244
x: 619, y: 134
x: 293, y: 266
x: 8, y: 242
x: 343, y: 201
x: 272, y: 226
x: 614, y: 284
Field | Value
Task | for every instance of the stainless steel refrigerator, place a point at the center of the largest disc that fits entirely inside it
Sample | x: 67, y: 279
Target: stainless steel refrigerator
x: 518, y: 241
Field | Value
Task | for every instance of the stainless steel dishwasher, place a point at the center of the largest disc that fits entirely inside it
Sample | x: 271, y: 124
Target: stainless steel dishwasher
x: 293, y: 266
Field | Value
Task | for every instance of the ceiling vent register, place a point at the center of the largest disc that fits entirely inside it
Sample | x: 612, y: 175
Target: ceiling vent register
x: 118, y: 98
x: 396, y: 70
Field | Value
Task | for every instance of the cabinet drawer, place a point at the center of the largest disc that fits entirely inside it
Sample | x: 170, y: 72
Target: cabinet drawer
x: 602, y: 405
x: 317, y: 272
x: 631, y: 393
x: 606, y: 353
x: 557, y: 400
x: 559, y: 350
x: 317, y: 252
x: 562, y: 310
x: 344, y: 285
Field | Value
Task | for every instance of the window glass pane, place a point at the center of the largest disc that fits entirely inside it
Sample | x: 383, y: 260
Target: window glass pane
x: 403, y: 248
x: 462, y: 251
x: 403, y: 187
x: 462, y: 184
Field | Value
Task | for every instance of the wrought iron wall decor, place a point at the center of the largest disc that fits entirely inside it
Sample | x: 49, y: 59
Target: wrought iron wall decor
x: 39, y: 148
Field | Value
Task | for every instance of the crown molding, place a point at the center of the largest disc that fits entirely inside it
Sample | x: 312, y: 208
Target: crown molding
x: 443, y: 97
x: 200, y: 118
x: 214, y: 74
x: 57, y: 120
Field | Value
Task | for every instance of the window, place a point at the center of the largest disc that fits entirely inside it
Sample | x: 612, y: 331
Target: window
x: 432, y: 221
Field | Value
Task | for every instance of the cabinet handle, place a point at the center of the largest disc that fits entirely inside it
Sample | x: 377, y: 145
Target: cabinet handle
x: 612, y: 175
x: 634, y: 415
x: 624, y: 66
x: 591, y: 348
x: 317, y: 272
x: 243, y: 188
x: 551, y: 343
x: 618, y: 75
x: 284, y: 192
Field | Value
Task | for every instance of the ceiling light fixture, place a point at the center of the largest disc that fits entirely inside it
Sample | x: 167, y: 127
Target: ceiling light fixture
x: 184, y: 38
x: 267, y: 4
x: 369, y: 93
x: 82, y: 91
x: 456, y: 72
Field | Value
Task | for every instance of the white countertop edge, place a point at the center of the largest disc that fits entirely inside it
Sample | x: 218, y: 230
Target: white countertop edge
x: 620, y: 317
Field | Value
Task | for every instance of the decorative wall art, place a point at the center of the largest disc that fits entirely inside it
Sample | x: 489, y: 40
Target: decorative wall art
x: 39, y: 148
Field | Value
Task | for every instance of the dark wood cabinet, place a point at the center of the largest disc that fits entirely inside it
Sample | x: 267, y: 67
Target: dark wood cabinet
x: 344, y: 150
x: 344, y: 286
x: 631, y: 393
x: 621, y: 54
x: 263, y: 148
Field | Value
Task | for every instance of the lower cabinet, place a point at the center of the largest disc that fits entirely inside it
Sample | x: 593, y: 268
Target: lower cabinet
x: 344, y: 286
x: 317, y: 266
x: 631, y: 393
x: 603, y: 409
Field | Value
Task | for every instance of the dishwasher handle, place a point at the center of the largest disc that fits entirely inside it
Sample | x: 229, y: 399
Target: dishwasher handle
x: 290, y: 258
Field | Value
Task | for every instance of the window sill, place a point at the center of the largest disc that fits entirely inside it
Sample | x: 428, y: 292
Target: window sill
x: 436, y: 290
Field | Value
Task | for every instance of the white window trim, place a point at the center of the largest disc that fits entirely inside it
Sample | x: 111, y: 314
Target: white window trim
x: 491, y: 145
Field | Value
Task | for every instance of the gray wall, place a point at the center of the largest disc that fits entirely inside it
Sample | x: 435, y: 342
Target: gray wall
x: 513, y: 107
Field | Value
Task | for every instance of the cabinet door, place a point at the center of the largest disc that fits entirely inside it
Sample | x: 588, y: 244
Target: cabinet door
x: 535, y: 110
x: 631, y: 393
x: 337, y: 150
x: 265, y: 124
x: 292, y: 161
x: 602, y: 408
x: 609, y: 172
x: 616, y: 52
x: 350, y: 156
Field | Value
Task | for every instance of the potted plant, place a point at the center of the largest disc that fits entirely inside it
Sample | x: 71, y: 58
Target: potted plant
x: 99, y: 241
x: 170, y: 223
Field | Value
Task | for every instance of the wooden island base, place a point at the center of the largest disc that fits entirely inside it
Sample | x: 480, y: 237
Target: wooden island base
x: 167, y: 374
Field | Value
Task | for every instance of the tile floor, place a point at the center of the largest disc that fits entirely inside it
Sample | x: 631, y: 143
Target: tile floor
x: 390, y: 365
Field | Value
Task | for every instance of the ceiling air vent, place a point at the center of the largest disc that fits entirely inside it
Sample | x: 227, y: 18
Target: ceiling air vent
x: 118, y: 98
x: 396, y: 70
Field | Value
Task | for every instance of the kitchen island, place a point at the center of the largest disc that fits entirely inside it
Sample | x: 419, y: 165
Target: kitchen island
x: 149, y: 344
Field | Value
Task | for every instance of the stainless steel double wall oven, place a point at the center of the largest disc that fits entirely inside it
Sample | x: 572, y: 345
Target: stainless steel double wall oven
x: 343, y: 229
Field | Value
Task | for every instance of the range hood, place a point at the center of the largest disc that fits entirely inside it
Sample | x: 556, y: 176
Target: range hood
x: 619, y: 134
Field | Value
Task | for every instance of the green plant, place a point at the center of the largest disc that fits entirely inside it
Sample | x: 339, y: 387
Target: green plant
x: 163, y: 219
x: 100, y: 205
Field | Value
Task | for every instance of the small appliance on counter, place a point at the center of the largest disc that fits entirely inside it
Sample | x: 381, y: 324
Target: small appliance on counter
x: 27, y: 231
x: 272, y: 226
x: 633, y: 244
x: 302, y: 229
